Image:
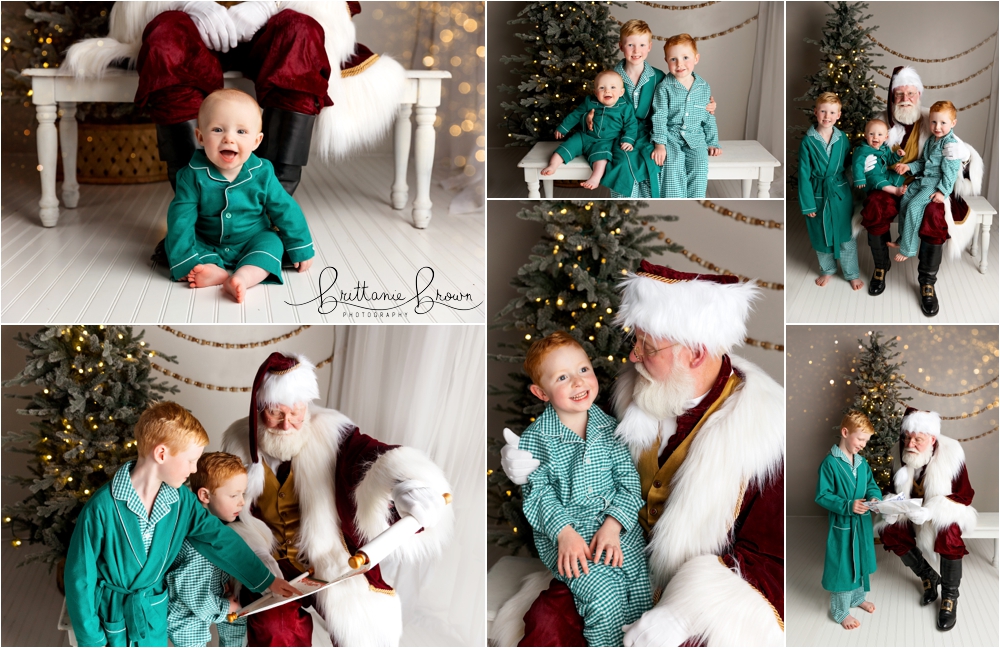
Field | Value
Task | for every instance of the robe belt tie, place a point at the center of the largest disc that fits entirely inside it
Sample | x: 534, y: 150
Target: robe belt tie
x: 829, y: 184
x: 134, y: 607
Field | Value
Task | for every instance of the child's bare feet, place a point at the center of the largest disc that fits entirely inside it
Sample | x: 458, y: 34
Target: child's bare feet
x: 594, y: 180
x: 899, y: 258
x: 867, y: 606
x: 857, y: 284
x: 822, y: 280
x: 245, y: 277
x: 555, y: 162
x: 850, y: 623
x: 206, y: 274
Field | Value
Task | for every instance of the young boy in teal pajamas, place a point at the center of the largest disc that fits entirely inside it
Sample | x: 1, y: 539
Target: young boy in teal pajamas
x: 229, y: 211
x: 937, y: 175
x: 684, y: 132
x: 825, y: 195
x: 200, y: 593
x: 614, y: 120
x: 879, y: 177
x: 845, y: 482
x: 584, y: 499
x: 131, y: 530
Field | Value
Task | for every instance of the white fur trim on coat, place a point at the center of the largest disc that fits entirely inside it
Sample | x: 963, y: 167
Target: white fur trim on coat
x: 720, y: 607
x: 922, y: 421
x: 693, y: 313
x: 508, y: 626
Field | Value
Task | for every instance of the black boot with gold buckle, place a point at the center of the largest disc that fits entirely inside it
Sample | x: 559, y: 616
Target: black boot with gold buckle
x: 929, y: 578
x: 930, y: 260
x: 880, y: 257
x: 951, y: 577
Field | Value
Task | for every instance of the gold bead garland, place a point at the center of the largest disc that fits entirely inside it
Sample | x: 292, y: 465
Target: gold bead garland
x: 750, y: 220
x: 991, y: 383
x: 196, y: 383
x: 773, y: 285
x: 227, y: 345
x: 947, y: 85
x: 979, y: 436
x: 976, y: 412
x: 764, y: 345
x: 657, y: 5
x: 941, y: 60
x: 710, y: 36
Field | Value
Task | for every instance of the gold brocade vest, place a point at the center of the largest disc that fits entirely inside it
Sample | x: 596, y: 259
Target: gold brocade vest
x: 278, y: 506
x: 655, y: 479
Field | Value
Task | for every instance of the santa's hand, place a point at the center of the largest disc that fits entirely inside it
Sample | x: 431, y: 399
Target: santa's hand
x: 657, y: 627
x: 249, y: 17
x: 891, y: 519
x: 919, y: 516
x: 516, y: 464
x: 956, y: 151
x: 413, y: 497
x: 870, y: 162
x: 213, y: 24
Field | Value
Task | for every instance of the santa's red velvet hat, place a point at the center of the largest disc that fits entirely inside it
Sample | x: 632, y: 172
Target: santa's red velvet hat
x: 902, y: 75
x: 917, y: 421
x: 280, y: 380
x: 696, y: 310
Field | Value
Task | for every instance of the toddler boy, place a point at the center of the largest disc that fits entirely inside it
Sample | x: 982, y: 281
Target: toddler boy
x: 879, y: 175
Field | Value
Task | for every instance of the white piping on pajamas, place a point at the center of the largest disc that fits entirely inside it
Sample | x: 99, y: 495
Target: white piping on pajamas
x: 257, y: 252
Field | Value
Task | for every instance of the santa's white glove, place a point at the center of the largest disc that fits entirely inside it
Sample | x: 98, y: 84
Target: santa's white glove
x: 919, y: 516
x: 249, y: 17
x: 870, y: 162
x: 213, y: 23
x: 891, y: 519
x: 657, y: 627
x: 516, y: 464
x: 413, y: 497
x: 956, y: 151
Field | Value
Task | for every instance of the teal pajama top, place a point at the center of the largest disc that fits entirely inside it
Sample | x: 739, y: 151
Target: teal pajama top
x: 116, y: 589
x: 612, y: 124
x: 249, y: 221
x: 629, y: 168
x: 933, y: 172
x: 882, y: 175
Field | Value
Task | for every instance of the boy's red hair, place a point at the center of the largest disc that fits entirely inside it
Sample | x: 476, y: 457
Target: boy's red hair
x: 680, y: 39
x: 541, y: 348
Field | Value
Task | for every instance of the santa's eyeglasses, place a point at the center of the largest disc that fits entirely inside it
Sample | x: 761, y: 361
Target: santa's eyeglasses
x: 643, y: 352
x: 278, y: 415
x: 899, y: 96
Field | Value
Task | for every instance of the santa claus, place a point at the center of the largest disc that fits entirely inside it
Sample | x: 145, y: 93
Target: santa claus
x: 909, y: 129
x: 302, y: 57
x: 706, y: 431
x: 933, y: 469
x: 318, y: 490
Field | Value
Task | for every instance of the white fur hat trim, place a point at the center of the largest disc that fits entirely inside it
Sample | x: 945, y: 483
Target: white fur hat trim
x: 907, y: 77
x: 297, y: 385
x: 920, y: 421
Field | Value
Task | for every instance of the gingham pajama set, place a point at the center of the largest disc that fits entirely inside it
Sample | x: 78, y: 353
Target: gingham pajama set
x: 687, y: 129
x: 610, y: 123
x: 197, y: 601
x: 581, y: 482
x: 936, y: 173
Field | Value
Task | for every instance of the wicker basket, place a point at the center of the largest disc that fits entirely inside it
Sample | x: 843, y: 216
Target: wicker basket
x: 118, y: 154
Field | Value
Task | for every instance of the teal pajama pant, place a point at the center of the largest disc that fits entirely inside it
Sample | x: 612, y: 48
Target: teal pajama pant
x: 911, y: 211
x: 264, y: 250
x: 848, y: 261
x: 684, y: 173
x: 608, y: 598
x: 592, y: 148
x: 842, y: 602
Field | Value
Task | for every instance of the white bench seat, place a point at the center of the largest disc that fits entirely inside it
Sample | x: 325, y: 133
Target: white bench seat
x: 987, y: 526
x: 745, y: 160
x: 982, y: 216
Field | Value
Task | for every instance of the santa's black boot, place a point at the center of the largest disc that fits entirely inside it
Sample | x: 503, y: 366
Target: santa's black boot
x: 929, y: 578
x: 880, y: 256
x: 287, y: 136
x: 930, y: 260
x: 951, y: 577
x: 176, y: 144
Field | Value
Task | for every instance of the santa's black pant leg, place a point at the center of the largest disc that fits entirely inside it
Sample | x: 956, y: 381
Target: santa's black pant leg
x: 928, y: 577
x: 880, y: 256
x: 951, y: 577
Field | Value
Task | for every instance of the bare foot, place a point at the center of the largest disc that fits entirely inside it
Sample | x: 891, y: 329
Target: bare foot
x: 206, y: 274
x: 235, y: 287
x: 899, y: 258
x: 857, y: 284
x: 555, y: 162
x: 867, y: 606
x: 822, y: 280
x: 850, y: 623
x: 245, y: 277
x: 549, y: 170
x: 594, y: 180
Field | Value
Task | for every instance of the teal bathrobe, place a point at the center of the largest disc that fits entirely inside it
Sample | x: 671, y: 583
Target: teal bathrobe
x: 116, y: 590
x: 823, y: 189
x: 850, y: 544
x: 636, y: 166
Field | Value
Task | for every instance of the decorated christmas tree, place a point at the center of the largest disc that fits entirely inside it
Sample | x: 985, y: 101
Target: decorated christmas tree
x: 846, y: 68
x: 569, y: 284
x: 566, y: 45
x: 94, y: 382
x: 875, y: 376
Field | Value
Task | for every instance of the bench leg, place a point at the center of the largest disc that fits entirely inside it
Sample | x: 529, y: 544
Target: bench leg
x: 68, y: 144
x: 747, y: 185
x: 532, y: 187
x: 547, y: 185
x: 764, y: 178
x: 48, y: 143
x: 984, y: 246
x: 402, y: 132
x: 423, y: 160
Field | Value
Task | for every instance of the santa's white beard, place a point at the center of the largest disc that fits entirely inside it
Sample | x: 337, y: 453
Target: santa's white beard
x: 916, y: 459
x: 906, y: 113
x: 663, y: 399
x: 283, y: 445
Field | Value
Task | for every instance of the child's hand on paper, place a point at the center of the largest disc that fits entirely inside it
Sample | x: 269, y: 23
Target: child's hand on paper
x: 607, y: 541
x: 281, y: 587
x: 302, y: 266
x: 860, y: 507
x: 573, y: 549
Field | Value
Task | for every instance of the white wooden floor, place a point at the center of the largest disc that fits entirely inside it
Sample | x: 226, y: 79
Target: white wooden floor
x: 94, y: 265
x: 965, y: 295
x: 898, y: 620
x: 505, y: 180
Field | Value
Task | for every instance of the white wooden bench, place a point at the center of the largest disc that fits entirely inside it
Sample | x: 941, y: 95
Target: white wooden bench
x: 745, y: 160
x: 982, y: 215
x: 988, y: 526
x: 55, y: 92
